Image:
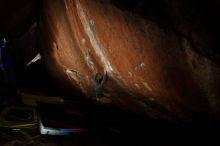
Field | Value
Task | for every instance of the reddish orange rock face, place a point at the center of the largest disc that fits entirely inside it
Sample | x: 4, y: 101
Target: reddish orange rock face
x: 149, y: 70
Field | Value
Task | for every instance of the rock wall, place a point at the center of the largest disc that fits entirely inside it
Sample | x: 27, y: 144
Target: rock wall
x: 159, y: 59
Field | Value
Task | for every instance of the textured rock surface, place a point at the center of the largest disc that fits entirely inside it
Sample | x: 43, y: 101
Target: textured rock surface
x: 159, y: 58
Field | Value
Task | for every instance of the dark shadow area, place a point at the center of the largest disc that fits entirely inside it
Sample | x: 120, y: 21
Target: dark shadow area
x: 103, y: 125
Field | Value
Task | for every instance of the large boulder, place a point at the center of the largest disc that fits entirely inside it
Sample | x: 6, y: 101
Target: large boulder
x: 160, y: 56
